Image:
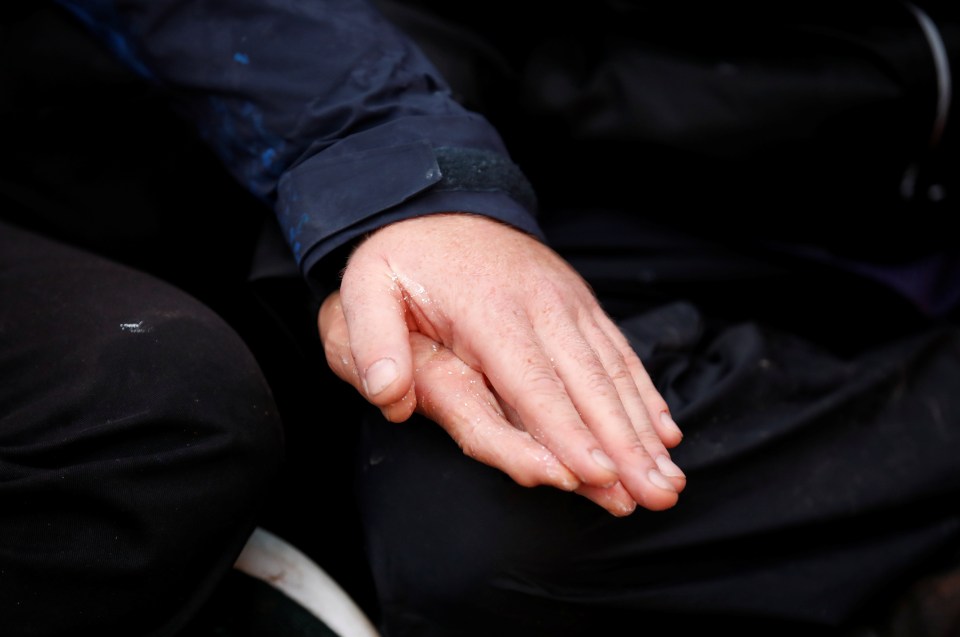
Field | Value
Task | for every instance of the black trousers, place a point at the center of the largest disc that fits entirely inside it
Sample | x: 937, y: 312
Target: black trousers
x: 156, y: 404
x: 138, y: 439
x: 821, y: 410
x: 821, y: 413
x: 822, y: 431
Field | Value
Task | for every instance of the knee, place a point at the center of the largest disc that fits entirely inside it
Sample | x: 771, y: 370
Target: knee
x: 189, y: 381
x: 141, y: 465
x: 449, y: 537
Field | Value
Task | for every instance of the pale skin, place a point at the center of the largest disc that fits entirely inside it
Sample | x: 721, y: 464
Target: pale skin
x: 492, y: 335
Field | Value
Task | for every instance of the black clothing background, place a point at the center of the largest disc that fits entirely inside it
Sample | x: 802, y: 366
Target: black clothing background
x: 749, y: 123
x: 819, y: 410
x: 95, y: 158
x: 138, y: 441
x: 675, y: 235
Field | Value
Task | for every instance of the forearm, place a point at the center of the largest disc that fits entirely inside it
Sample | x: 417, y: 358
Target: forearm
x: 324, y: 110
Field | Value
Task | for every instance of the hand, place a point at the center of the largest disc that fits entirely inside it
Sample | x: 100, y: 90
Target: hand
x: 526, y: 324
x: 457, y: 397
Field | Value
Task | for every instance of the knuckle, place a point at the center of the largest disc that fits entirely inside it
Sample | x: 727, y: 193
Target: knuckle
x: 619, y: 371
x: 541, y: 380
x: 600, y: 384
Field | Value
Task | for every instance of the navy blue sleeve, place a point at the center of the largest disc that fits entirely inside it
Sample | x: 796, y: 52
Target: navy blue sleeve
x: 321, y: 108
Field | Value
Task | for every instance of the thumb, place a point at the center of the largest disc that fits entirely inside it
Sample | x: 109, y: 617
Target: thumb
x: 336, y: 346
x: 379, y: 336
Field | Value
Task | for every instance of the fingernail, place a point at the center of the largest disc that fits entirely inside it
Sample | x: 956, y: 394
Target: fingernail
x: 668, y: 422
x: 657, y: 479
x: 379, y: 376
x: 668, y: 468
x: 603, y: 460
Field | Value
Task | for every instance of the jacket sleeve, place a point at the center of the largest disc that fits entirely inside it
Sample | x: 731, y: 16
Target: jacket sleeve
x: 322, y: 109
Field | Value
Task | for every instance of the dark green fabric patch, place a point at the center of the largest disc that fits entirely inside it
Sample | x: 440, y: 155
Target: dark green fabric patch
x: 481, y: 170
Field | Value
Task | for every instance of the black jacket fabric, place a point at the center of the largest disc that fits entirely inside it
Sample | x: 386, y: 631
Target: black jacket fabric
x: 322, y: 109
x: 818, y: 130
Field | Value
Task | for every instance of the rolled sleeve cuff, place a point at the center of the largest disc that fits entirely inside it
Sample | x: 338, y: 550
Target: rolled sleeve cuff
x: 325, y: 205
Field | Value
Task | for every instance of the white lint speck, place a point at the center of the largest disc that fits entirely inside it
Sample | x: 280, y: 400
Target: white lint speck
x: 135, y: 328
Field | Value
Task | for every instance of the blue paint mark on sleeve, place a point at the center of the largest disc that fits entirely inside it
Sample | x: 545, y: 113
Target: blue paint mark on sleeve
x: 294, y: 231
x: 267, y: 157
x: 293, y: 234
x: 105, y: 23
x: 242, y: 58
